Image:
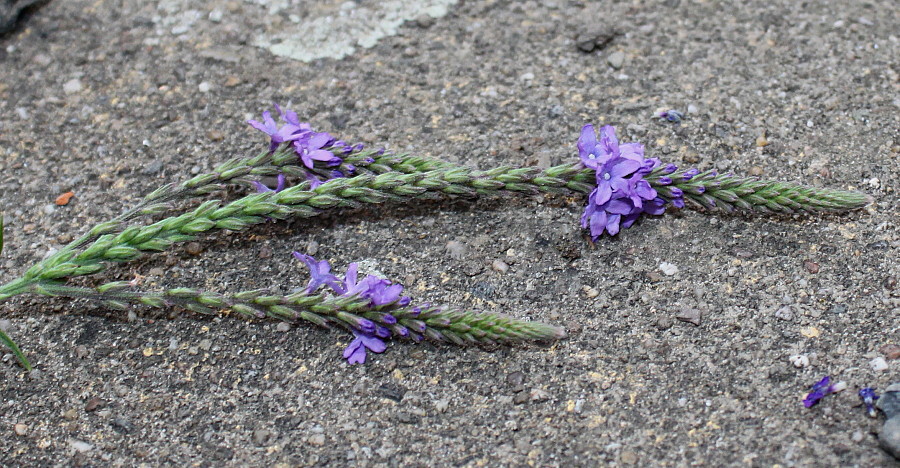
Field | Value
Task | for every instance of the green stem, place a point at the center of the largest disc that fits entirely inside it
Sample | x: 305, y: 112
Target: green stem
x: 436, y: 323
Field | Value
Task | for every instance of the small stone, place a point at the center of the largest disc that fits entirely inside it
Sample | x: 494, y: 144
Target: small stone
x: 756, y: 171
x: 515, y: 378
x: 499, y: 266
x: 628, y: 457
x: 785, y: 313
x: 799, y: 361
x: 890, y: 351
x: 664, y: 323
x: 539, y: 395
x: 616, y: 60
x: 879, y: 364
x: 521, y: 398
x: 441, y: 406
x: 590, y: 292
x: 312, y: 248
x: 122, y: 425
x: 215, y: 135
x: 889, y: 402
x: 668, y: 269
x: 205, y: 344
x: 457, y: 250
x: 5, y: 325
x: 80, y: 446
x: 204, y: 87
x: 811, y: 266
x: 20, y: 429
x: 889, y: 437
x: 596, y: 37
x: 857, y: 436
x: 527, y: 76
x: 232, y: 81
x: 93, y: 404
x: 261, y: 437
x: 762, y: 141
x: 70, y: 414
x: 193, y: 248
x: 424, y: 21
x: 316, y: 439
x: 72, y: 86
x: 688, y: 315
x: 283, y: 327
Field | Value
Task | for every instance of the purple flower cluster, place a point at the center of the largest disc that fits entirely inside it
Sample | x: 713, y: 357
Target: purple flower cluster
x: 821, y: 389
x: 383, y: 297
x: 622, y: 195
x: 309, y: 145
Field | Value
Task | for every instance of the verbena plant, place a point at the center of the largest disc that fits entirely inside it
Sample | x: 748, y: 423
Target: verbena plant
x: 316, y: 172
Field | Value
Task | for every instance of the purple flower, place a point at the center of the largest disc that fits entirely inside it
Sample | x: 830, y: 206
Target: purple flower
x: 606, y: 216
x: 309, y: 149
x: 279, y: 135
x: 320, y: 272
x: 868, y: 397
x: 595, y: 153
x: 671, y: 115
x: 611, y: 177
x: 821, y: 389
x: 356, y: 351
x: 260, y: 187
x: 689, y: 174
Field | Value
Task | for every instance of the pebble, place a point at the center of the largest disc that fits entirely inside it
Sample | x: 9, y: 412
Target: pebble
x: 664, y: 323
x: 785, y: 313
x: 312, y: 248
x: 232, y: 81
x: 690, y: 316
x: 456, y: 249
x: 5, y: 325
x: 317, y: 439
x: 890, y: 351
x: 879, y: 364
x: 595, y: 38
x: 799, y: 360
x: 70, y: 414
x: 215, y: 135
x: 811, y: 266
x: 890, y: 401
x: 668, y: 269
x: 20, y: 429
x: 193, y: 248
x: 72, y: 86
x: 499, y: 266
x: 762, y: 141
x: 628, y: 457
x: 204, y: 87
x: 590, y: 291
x: 205, y: 344
x: 261, y: 437
x: 93, y: 404
x: 283, y: 327
x: 441, y: 406
x: 889, y: 437
x: 857, y: 437
x: 80, y: 446
x: 515, y: 378
x: 616, y: 60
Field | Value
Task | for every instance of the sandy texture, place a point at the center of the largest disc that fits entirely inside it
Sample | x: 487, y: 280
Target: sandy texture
x: 112, y: 99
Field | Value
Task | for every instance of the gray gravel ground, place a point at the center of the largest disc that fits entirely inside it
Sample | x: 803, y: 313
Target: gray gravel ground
x: 110, y: 99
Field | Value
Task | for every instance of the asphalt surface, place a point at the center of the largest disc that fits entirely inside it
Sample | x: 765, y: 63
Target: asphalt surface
x: 109, y: 100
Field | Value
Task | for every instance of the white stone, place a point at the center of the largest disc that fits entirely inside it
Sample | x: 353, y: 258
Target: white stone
x: 879, y: 364
x: 799, y: 360
x: 668, y: 269
x: 204, y: 87
x: 72, y: 86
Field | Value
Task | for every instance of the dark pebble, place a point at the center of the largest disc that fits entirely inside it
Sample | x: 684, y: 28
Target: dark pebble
x: 890, y: 401
x: 122, y: 425
x: 193, y: 248
x: 889, y: 437
x: 407, y: 418
x: 596, y: 37
x: 94, y: 404
x: 515, y: 378
x: 690, y: 316
x: 391, y: 392
x: 811, y: 267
